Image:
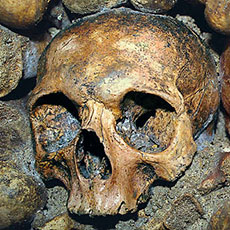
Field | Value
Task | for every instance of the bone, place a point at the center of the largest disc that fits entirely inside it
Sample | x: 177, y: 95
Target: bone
x: 61, y: 222
x: 219, y: 175
x: 22, y: 14
x: 133, y: 113
x: 225, y: 84
x: 92, y: 6
x: 55, y: 126
x: 157, y: 6
x: 138, y: 128
x: 12, y: 47
x: 22, y: 192
x: 217, y: 13
x: 221, y: 218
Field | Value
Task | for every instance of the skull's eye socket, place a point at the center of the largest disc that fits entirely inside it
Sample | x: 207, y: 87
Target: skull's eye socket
x: 148, y: 122
x: 55, y: 122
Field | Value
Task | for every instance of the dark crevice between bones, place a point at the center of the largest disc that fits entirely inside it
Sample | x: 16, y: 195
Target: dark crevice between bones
x: 91, y: 157
x: 22, y: 90
x: 147, y: 122
x: 140, y: 122
x: 147, y: 172
x: 107, y: 222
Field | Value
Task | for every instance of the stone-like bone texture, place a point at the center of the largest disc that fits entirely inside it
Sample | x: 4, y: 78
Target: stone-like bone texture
x: 107, y: 82
x: 91, y: 6
x: 184, y: 212
x: 158, y: 6
x: 221, y: 218
x: 22, y: 192
x: 225, y: 83
x: 12, y: 47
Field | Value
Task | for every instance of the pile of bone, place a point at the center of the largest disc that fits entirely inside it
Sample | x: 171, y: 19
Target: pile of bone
x: 120, y: 99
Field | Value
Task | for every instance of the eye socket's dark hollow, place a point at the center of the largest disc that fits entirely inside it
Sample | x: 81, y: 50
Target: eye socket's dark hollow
x: 91, y: 157
x: 55, y: 122
x: 58, y: 99
x: 140, y: 121
x: 147, y: 122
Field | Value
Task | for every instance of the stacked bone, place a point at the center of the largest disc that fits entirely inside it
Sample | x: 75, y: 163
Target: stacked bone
x: 217, y: 14
x: 22, y: 192
x: 148, y: 135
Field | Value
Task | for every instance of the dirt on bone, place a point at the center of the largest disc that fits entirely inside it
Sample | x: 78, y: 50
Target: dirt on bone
x: 147, y: 123
x: 56, y: 127
x: 91, y: 157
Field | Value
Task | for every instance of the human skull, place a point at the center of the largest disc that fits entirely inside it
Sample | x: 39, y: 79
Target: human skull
x: 119, y: 99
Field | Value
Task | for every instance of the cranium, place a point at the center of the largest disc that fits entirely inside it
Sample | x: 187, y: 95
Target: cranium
x: 119, y: 99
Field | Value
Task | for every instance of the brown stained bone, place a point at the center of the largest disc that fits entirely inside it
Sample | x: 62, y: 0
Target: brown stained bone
x: 22, y: 14
x: 157, y: 6
x: 219, y: 176
x: 20, y: 194
x: 61, y: 222
x: 225, y: 83
x: 120, y: 76
x: 217, y: 13
x: 91, y: 6
x: 12, y: 47
x: 221, y: 218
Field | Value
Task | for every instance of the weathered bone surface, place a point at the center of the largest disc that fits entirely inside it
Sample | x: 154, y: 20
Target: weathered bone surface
x: 119, y: 99
x: 157, y: 6
x: 12, y: 47
x: 221, y: 218
x: 22, y: 192
x: 91, y: 6
x: 22, y: 14
x: 225, y: 83
x: 217, y: 14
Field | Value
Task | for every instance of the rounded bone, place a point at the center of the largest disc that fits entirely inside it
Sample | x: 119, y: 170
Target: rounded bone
x: 22, y: 14
x: 12, y: 47
x: 157, y: 6
x: 86, y: 7
x: 217, y: 13
x: 119, y: 100
x: 225, y: 83
x: 20, y: 196
x: 22, y: 192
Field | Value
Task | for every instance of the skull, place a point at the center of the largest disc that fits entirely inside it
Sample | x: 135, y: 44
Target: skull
x: 119, y: 99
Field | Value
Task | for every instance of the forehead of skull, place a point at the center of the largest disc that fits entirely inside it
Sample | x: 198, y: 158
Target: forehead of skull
x: 106, y: 56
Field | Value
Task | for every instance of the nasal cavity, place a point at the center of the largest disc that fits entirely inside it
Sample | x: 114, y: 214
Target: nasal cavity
x: 91, y: 158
